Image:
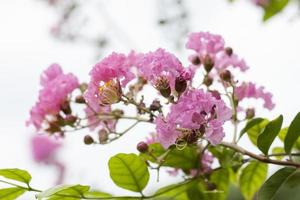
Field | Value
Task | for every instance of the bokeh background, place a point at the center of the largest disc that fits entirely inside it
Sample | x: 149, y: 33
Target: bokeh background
x: 27, y: 47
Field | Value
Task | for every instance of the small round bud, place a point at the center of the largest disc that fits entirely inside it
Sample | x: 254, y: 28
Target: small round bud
x: 88, y: 140
x: 195, y: 60
x: 103, y: 136
x: 228, y: 51
x: 208, y: 63
x: 180, y: 84
x: 66, y: 108
x: 142, y: 147
x: 250, y: 113
x: 225, y: 75
x: 208, y: 81
x: 79, y: 99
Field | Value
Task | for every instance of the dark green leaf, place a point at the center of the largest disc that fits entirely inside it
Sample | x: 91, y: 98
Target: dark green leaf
x: 11, y: 193
x: 251, y: 178
x: 16, y: 174
x: 274, y: 183
x: 274, y: 7
x: 282, y: 135
x: 250, y: 124
x: 266, y: 138
x: 292, y: 134
x: 129, y: 171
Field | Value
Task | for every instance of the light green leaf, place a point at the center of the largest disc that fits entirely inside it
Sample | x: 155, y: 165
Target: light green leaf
x: 11, y: 193
x: 251, y: 178
x: 266, y: 138
x: 256, y: 130
x: 282, y: 135
x: 129, y: 171
x: 250, y: 124
x: 292, y: 134
x: 278, y: 150
x: 274, y: 7
x: 96, y: 194
x: 16, y: 174
x: 274, y: 183
x: 221, y: 179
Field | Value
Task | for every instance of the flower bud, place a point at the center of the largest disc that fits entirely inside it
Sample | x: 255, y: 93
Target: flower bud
x: 228, y: 51
x: 195, y: 60
x: 103, y: 136
x: 250, y: 113
x: 180, y: 84
x: 88, y: 140
x: 155, y: 105
x: 208, y: 81
x: 66, y: 108
x: 79, y: 99
x: 208, y: 63
x: 83, y: 87
x: 163, y: 86
x: 225, y: 75
x: 142, y: 147
x: 110, y: 92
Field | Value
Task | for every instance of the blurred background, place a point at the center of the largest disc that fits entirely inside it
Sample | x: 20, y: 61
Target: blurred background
x: 77, y: 33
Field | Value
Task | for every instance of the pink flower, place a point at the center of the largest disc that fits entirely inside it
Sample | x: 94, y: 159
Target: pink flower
x: 195, y: 110
x: 249, y: 90
x: 152, y: 138
x: 262, y: 3
x: 56, y: 86
x: 109, y: 75
x: 161, y: 65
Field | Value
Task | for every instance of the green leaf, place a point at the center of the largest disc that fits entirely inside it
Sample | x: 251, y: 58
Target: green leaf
x: 252, y: 177
x: 227, y: 157
x: 96, y: 194
x: 274, y: 183
x: 185, y: 159
x: 64, y: 192
x: 273, y: 8
x: 278, y: 150
x: 250, y: 124
x: 256, y: 130
x: 292, y: 134
x: 221, y: 179
x: 129, y: 171
x: 266, y: 138
x: 282, y: 135
x: 11, y: 193
x: 16, y: 174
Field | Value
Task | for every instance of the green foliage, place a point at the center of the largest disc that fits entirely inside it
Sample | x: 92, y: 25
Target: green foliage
x: 16, y: 174
x: 273, y: 8
x: 185, y: 159
x: 251, y: 178
x: 251, y: 123
x: 266, y: 138
x: 227, y: 157
x: 272, y: 186
x: 221, y: 179
x: 292, y: 134
x: 11, y: 193
x: 129, y: 171
x: 278, y: 150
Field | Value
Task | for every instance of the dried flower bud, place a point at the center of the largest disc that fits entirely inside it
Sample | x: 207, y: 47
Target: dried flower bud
x: 208, y: 81
x: 155, y: 105
x: 195, y: 60
x: 228, y: 51
x: 163, y: 86
x: 110, y: 92
x: 208, y: 63
x: 88, y: 140
x: 103, y: 136
x: 66, y: 108
x: 250, y: 113
x: 180, y: 84
x: 79, y: 99
x: 142, y: 147
x: 225, y: 75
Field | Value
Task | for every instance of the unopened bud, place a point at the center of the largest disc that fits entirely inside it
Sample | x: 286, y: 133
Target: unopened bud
x: 208, y: 63
x: 225, y: 75
x: 79, y: 99
x: 163, y: 86
x: 228, y: 51
x: 155, y: 105
x: 208, y: 81
x: 180, y: 84
x: 66, y: 108
x: 142, y: 147
x: 250, y: 113
x: 195, y: 60
x: 88, y: 140
x: 103, y: 136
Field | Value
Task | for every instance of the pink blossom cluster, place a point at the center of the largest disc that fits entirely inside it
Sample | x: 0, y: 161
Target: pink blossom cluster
x: 196, y: 110
x: 250, y: 90
x: 56, y: 86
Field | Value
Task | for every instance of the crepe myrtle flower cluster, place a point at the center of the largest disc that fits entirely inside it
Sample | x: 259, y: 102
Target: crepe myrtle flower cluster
x: 182, y: 112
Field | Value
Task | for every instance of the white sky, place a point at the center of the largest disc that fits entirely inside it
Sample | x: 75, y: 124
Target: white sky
x: 272, y: 50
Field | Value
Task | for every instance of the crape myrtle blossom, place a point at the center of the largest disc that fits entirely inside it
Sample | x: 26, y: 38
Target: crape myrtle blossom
x: 164, y: 71
x: 210, y: 50
x: 198, y: 111
x: 56, y: 86
x: 108, y: 77
x: 250, y: 90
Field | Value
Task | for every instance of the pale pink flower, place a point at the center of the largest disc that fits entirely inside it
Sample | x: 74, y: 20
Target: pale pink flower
x: 152, y: 138
x: 205, y: 164
x: 195, y: 110
x: 250, y: 90
x: 56, y: 86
